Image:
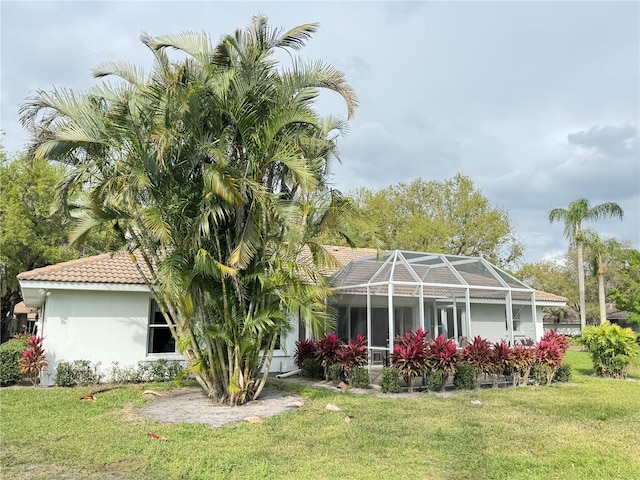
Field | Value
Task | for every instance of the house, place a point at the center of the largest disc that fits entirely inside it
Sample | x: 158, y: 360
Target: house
x: 24, y: 320
x: 564, y: 320
x: 99, y: 309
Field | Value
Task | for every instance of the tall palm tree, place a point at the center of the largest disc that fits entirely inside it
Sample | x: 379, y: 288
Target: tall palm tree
x: 202, y: 165
x: 578, y: 211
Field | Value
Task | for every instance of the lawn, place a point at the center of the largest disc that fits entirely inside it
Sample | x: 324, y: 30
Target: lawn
x: 587, y: 429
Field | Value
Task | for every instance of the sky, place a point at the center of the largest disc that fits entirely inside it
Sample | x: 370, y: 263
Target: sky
x: 537, y: 102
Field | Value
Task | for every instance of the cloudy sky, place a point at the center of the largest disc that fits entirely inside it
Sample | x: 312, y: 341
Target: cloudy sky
x: 537, y: 102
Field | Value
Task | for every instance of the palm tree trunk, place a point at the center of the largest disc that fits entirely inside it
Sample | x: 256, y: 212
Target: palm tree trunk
x: 583, y: 316
x: 601, y: 297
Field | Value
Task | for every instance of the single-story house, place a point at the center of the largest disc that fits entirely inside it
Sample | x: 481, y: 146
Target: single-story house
x: 24, y: 320
x: 99, y: 309
x: 564, y: 320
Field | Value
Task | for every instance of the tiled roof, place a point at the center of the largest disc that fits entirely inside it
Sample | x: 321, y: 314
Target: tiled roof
x: 118, y: 267
x: 104, y: 268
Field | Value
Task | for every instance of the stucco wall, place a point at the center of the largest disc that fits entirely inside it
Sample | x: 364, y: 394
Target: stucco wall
x: 106, y: 327
x: 488, y: 321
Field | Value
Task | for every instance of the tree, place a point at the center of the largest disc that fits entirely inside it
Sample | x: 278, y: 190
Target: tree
x: 551, y: 277
x: 31, y: 234
x: 602, y: 254
x: 443, y: 217
x: 626, y: 294
x: 578, y: 211
x: 203, y: 166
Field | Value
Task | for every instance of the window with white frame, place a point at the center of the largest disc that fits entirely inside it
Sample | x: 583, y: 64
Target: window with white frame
x: 160, y: 339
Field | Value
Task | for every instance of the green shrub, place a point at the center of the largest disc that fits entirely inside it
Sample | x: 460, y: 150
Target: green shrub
x: 436, y: 380
x: 152, y: 371
x: 539, y: 374
x: 563, y: 374
x: 611, y: 348
x: 390, y: 382
x: 336, y: 373
x: 360, y: 378
x: 78, y: 372
x: 10, y: 354
x: 464, y: 377
x: 312, y: 368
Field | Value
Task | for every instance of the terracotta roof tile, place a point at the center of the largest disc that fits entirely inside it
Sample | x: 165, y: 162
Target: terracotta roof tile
x: 105, y: 268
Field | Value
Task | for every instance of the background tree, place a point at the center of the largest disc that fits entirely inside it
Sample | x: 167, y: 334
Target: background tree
x: 604, y: 256
x: 626, y: 294
x: 578, y: 211
x: 33, y: 231
x: 204, y: 165
x: 553, y: 277
x: 443, y: 217
x: 31, y: 234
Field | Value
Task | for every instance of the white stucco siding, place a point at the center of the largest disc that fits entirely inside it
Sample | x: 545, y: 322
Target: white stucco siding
x: 488, y: 321
x: 102, y: 327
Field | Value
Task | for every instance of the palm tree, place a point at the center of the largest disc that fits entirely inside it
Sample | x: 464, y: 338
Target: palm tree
x: 578, y: 211
x: 202, y: 165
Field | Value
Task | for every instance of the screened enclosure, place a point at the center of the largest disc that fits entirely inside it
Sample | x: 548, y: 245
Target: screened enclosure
x: 459, y: 297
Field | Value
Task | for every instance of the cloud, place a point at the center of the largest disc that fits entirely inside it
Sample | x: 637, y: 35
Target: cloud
x: 608, y: 140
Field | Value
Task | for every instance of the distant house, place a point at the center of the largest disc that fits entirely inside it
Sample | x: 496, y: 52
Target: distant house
x: 24, y: 320
x: 619, y: 317
x: 99, y: 309
x: 562, y: 319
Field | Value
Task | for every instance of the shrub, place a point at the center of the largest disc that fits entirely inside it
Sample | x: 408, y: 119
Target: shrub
x: 10, y: 354
x: 502, y: 359
x: 523, y: 359
x: 33, y: 359
x: 360, y: 378
x: 478, y: 354
x: 436, y: 380
x: 305, y: 349
x: 443, y: 355
x: 390, y: 382
x: 464, y: 377
x: 563, y: 374
x: 336, y: 373
x: 311, y: 368
x: 410, y: 355
x: 540, y: 373
x: 327, y: 351
x: 611, y: 348
x: 78, y: 372
x: 160, y: 370
x: 550, y: 352
x: 352, y: 356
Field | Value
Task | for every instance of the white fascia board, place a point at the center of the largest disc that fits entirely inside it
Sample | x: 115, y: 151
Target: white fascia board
x: 106, y: 287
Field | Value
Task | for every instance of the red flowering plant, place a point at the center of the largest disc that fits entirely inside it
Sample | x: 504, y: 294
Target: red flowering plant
x: 479, y: 354
x: 352, y: 355
x: 523, y: 359
x: 328, y: 351
x: 550, y: 352
x: 410, y: 354
x: 305, y: 349
x: 561, y: 340
x: 33, y: 359
x: 443, y: 355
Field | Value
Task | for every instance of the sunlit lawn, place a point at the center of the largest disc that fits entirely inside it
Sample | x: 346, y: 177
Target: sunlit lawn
x: 584, y: 430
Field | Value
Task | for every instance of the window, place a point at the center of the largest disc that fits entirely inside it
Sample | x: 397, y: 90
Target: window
x: 515, y: 315
x: 160, y: 339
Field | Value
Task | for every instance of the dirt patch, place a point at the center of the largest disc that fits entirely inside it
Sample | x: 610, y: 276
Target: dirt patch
x: 191, y: 405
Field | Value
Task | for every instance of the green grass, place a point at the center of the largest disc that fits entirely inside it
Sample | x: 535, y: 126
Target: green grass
x: 583, y: 430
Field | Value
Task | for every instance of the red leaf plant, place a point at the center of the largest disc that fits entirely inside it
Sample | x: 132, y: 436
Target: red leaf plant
x: 305, y: 349
x: 561, y: 340
x: 523, y: 359
x: 351, y: 356
x: 479, y: 354
x: 33, y: 359
x: 410, y: 355
x: 550, y: 352
x: 443, y: 355
x: 328, y: 351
